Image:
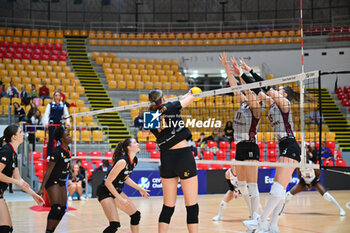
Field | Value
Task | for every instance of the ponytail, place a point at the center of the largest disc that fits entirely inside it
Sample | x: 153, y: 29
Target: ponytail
x: 9, y: 132
x: 1, y: 141
x: 121, y: 149
x: 295, y: 95
x: 155, y: 97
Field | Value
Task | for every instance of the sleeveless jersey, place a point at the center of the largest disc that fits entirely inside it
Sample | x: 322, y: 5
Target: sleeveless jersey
x: 308, y: 174
x: 118, y: 182
x: 233, y: 178
x: 62, y: 159
x: 245, y: 124
x: 282, y: 123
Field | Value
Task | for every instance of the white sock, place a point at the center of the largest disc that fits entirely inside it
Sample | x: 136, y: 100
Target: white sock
x: 254, y: 198
x: 222, y: 207
x: 242, y: 186
x: 277, y: 213
x: 330, y: 198
x: 276, y: 194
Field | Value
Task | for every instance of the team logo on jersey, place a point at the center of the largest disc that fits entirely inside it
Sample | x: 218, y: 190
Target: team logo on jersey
x: 143, y: 182
x: 151, y: 120
x: 186, y: 174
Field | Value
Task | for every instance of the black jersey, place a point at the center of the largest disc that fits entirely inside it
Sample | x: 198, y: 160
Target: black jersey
x: 173, y: 129
x: 62, y: 159
x: 118, y: 182
x: 8, y: 156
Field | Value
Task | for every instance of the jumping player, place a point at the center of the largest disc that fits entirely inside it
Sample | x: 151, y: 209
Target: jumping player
x: 110, y: 194
x: 280, y: 116
x: 9, y: 173
x: 176, y: 159
x: 55, y: 178
x: 308, y: 178
x: 245, y: 124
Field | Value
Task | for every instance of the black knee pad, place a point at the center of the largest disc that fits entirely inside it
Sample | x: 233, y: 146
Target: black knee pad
x: 6, y: 229
x: 135, y: 218
x: 166, y: 214
x: 57, y: 212
x: 192, y: 214
x: 113, y: 227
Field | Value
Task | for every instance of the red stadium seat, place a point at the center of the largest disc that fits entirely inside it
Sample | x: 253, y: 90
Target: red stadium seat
x: 58, y: 47
x: 46, y: 52
x: 1, y: 55
x: 26, y: 56
x: 17, y: 56
x: 62, y: 58
x: 261, y: 146
x: 331, y: 146
x: 36, y: 156
x: 95, y: 154
x: 49, y: 46
x: 224, y: 146
x: 63, y: 53
x: 2, y: 50
x: 45, y: 57
x: 6, y: 44
x: 41, y: 46
x: 215, y: 166
x: 202, y: 166
x: 55, y: 52
x: 340, y: 163
x: 208, y: 155
x: 53, y: 58
x: 37, y: 51
x: 232, y: 154
x: 150, y: 146
x: 328, y: 163
x: 212, y: 144
x: 338, y: 90
x: 271, y: 145
x: 8, y: 55
x: 337, y: 154
x: 38, y: 168
x: 81, y: 153
x: 271, y: 154
x: 233, y: 145
x: 11, y: 50
x: 19, y: 50
x: 86, y: 165
x: 155, y: 154
x: 221, y: 155
x: 23, y: 45
x: 226, y: 166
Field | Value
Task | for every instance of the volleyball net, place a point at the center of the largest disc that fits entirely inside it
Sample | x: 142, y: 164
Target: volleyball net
x: 209, y: 115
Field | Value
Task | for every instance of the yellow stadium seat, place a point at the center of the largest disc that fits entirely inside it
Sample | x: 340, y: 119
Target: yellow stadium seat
x: 112, y: 84
x: 88, y: 119
x: 85, y: 136
x: 139, y: 85
x: 158, y: 85
x: 148, y: 85
x: 97, y: 136
x: 121, y: 84
x: 130, y: 85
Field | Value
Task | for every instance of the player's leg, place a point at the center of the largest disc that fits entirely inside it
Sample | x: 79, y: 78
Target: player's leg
x: 5, y: 218
x: 57, y: 196
x: 169, y: 186
x: 190, y: 191
x: 110, y: 209
x: 131, y: 210
x: 321, y: 189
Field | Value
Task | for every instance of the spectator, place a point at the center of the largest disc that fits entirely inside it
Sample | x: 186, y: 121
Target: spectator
x: 75, y: 185
x: 2, y: 91
x: 221, y: 136
x: 138, y: 122
x: 312, y: 153
x: 81, y: 169
x: 54, y: 115
x: 24, y: 96
x: 105, y: 167
x: 12, y: 91
x: 229, y: 131
x: 63, y: 97
x: 34, y: 121
x: 32, y: 110
x: 326, y: 153
x: 19, y: 112
x: 201, y: 140
x: 44, y: 92
x: 33, y: 93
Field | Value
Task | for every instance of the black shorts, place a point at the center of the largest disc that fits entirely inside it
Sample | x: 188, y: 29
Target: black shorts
x: 177, y: 163
x: 230, y: 185
x: 247, y: 150
x: 103, y: 192
x: 314, y: 182
x: 51, y: 182
x: 289, y: 148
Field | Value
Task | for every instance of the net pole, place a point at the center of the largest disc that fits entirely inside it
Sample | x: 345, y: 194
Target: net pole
x: 320, y: 124
x: 302, y: 122
x: 75, y: 133
x: 302, y: 36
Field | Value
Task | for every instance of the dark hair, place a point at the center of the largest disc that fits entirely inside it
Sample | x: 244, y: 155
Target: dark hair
x: 295, y: 95
x: 8, y: 133
x: 58, y: 133
x: 155, y: 97
x: 227, y: 125
x: 16, y: 103
x: 122, y: 148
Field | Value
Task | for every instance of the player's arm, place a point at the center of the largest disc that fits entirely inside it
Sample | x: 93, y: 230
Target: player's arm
x: 299, y: 173
x: 253, y: 101
x: 318, y: 173
x: 112, y: 175
x: 132, y: 184
x: 4, y: 178
x: 280, y: 100
x: 187, y: 99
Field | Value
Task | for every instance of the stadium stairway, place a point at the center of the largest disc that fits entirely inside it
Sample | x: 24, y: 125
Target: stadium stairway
x: 94, y: 90
x: 334, y: 118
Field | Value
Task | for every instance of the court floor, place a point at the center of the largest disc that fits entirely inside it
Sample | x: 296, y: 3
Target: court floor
x: 306, y: 212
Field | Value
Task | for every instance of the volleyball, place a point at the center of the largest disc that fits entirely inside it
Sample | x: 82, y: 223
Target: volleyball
x: 195, y: 90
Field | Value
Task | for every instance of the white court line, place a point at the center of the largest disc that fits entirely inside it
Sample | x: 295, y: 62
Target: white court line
x: 348, y: 205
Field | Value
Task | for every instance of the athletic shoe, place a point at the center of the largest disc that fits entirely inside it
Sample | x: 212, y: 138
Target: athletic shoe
x: 217, y: 218
x: 82, y: 198
x: 271, y: 230
x: 69, y: 198
x: 342, y: 212
x: 253, y: 225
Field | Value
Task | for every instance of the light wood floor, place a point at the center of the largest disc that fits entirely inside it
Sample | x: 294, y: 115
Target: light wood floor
x: 307, y: 212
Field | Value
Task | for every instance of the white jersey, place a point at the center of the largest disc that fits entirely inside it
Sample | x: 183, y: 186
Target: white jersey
x: 245, y: 124
x: 308, y: 174
x: 282, y: 123
x: 233, y: 178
